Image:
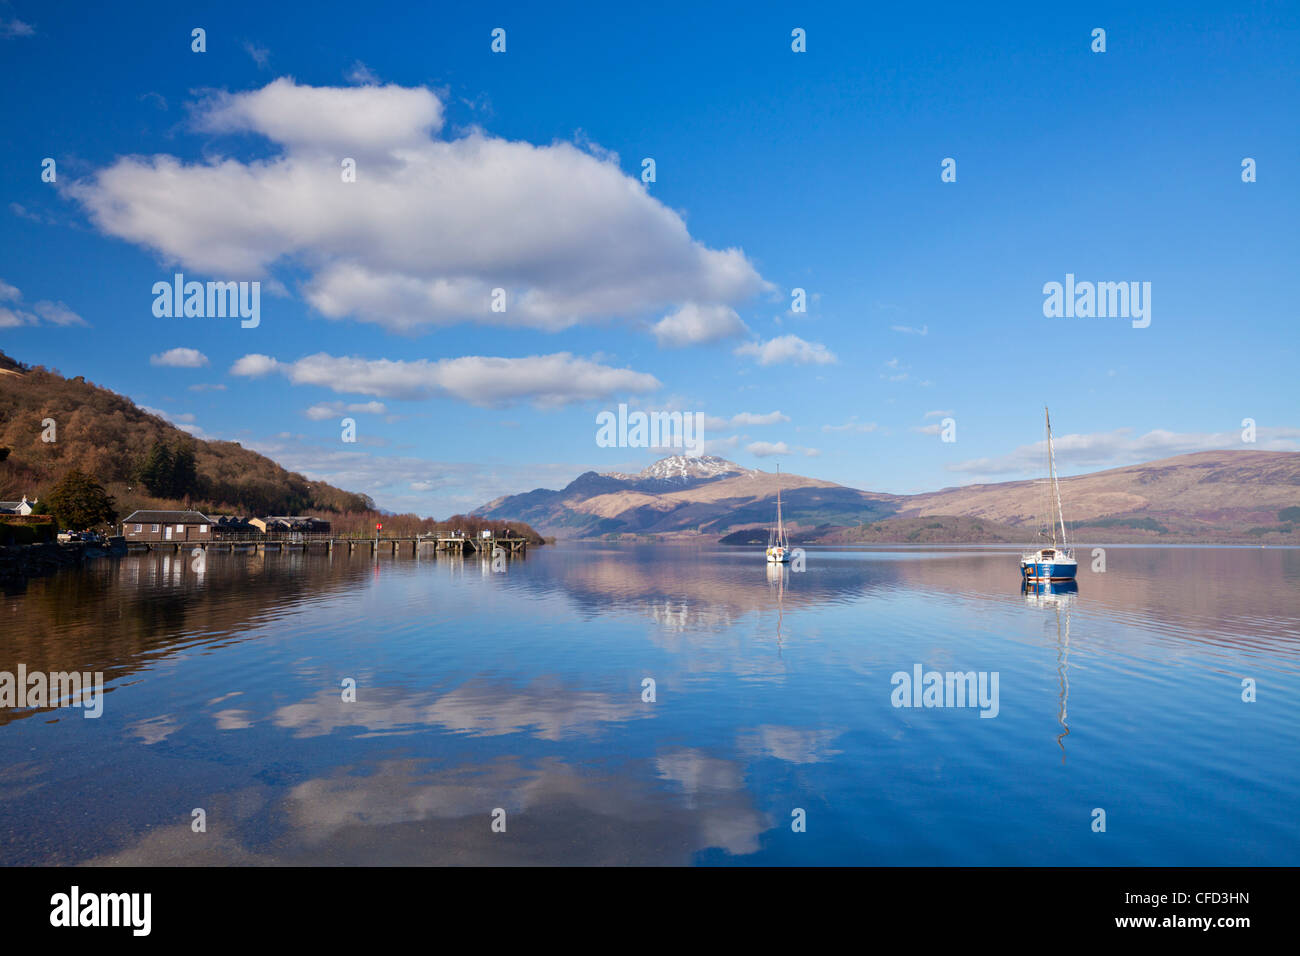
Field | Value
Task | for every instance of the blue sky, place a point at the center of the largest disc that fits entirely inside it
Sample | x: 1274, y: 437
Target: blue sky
x: 775, y: 170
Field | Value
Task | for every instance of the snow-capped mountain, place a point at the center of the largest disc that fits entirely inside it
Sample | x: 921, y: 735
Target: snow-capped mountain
x: 682, y: 493
x: 683, y: 468
x: 712, y: 496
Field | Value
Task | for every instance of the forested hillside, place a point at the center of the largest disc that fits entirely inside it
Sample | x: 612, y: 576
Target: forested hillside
x: 141, y: 459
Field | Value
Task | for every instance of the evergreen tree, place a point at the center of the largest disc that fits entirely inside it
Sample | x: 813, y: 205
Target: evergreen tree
x: 157, y: 471
x: 185, y: 472
x: 79, y: 502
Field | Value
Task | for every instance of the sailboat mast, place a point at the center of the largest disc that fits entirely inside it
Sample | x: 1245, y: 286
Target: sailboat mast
x: 1047, y: 492
x: 1056, y: 484
x: 780, y: 525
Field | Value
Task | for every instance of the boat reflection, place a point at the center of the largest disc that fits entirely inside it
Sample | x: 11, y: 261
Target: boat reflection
x: 776, y: 573
x: 1057, y: 596
x: 1048, y: 593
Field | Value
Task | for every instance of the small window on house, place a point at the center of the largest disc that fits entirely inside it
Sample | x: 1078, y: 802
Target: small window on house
x: 203, y: 529
x: 155, y: 529
x: 180, y: 527
x: 139, y: 528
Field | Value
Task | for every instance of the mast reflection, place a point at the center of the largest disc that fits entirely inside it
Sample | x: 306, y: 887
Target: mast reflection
x: 776, y: 575
x: 1057, y: 596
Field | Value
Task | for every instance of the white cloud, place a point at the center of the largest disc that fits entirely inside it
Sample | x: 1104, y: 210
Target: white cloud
x: 415, y: 484
x: 430, y: 227
x: 744, y: 420
x: 717, y: 446
x: 698, y: 325
x: 323, y: 410
x: 1116, y: 448
x: 852, y: 425
x: 362, y: 75
x: 750, y: 418
x: 254, y: 365
x: 180, y: 358
x: 182, y: 420
x: 546, y: 380
x: 787, y: 348
x: 320, y: 118
x: 908, y: 330
x: 51, y: 313
x: 259, y: 54
x: 938, y: 414
x: 56, y: 313
x: 899, y: 368
x: 16, y: 28
x: 932, y: 429
x: 766, y: 449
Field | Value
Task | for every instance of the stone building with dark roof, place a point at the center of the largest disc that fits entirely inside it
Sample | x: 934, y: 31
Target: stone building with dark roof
x: 176, y: 526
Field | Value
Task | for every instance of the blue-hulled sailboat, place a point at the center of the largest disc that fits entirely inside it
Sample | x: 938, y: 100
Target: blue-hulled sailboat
x: 1055, y: 563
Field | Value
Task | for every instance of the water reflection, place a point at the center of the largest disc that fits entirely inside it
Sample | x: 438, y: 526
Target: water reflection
x: 124, y: 615
x: 1057, y: 596
x: 477, y: 708
x: 522, y: 690
x: 404, y: 812
x: 776, y: 575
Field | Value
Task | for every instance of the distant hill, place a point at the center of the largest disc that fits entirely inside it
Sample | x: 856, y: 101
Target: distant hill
x: 946, y: 529
x: 705, y: 495
x: 1203, y: 493
x: 1222, y: 496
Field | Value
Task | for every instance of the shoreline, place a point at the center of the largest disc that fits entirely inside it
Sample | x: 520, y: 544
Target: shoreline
x: 21, y: 562
x: 675, y: 539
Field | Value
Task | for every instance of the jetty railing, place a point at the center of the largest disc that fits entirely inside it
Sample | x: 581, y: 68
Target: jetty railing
x: 330, y: 541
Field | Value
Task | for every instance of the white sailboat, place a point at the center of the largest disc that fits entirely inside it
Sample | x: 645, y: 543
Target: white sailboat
x: 778, y: 545
x: 1055, y: 563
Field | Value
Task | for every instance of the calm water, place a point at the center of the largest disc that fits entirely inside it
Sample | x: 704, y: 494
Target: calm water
x: 523, y: 691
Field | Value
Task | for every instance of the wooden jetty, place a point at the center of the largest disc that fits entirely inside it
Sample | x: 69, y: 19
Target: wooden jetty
x: 394, y: 544
x: 460, y: 544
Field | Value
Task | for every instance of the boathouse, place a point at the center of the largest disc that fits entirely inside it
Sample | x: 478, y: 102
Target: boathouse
x: 167, y: 526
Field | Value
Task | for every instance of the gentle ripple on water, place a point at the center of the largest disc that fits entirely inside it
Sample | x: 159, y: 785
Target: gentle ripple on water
x: 523, y: 691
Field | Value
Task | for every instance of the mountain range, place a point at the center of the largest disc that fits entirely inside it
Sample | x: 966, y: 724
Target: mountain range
x: 1221, y: 496
x: 1213, y: 496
